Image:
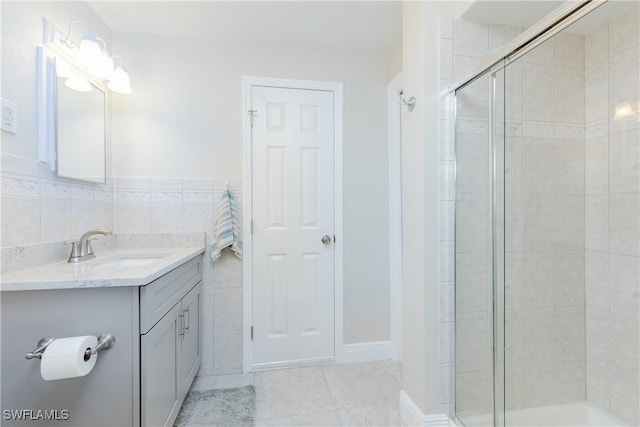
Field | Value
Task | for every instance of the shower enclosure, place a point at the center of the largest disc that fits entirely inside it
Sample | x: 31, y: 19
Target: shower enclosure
x: 547, y: 240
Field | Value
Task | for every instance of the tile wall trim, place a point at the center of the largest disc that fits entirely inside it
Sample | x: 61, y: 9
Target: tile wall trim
x: 20, y: 178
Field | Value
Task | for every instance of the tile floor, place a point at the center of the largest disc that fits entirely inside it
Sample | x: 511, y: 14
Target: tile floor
x: 356, y: 394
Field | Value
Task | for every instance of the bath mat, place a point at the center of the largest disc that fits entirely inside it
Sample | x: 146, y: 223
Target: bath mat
x: 228, y: 407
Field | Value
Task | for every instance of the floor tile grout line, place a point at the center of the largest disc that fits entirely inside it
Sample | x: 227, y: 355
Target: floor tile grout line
x: 351, y: 410
x: 317, y: 387
x: 306, y: 414
x: 326, y: 381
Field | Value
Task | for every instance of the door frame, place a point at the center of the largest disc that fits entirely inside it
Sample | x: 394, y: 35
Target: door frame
x: 394, y: 109
x: 247, y: 197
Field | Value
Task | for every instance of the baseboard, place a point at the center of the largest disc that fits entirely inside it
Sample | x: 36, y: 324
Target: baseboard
x: 366, y: 351
x: 292, y: 364
x: 412, y: 415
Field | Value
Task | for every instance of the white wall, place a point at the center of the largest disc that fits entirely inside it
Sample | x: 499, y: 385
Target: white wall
x: 37, y: 206
x: 184, y: 119
x: 420, y: 151
x: 21, y: 33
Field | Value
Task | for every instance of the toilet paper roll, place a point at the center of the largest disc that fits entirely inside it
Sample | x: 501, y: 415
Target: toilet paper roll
x: 64, y: 358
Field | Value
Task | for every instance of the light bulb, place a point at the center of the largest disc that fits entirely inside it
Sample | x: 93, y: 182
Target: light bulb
x: 79, y: 83
x: 103, y: 66
x: 95, y: 58
x: 120, y: 81
x: 89, y: 51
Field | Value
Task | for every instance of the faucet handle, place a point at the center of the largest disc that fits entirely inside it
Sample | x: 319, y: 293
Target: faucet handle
x: 75, y: 251
x: 89, y: 247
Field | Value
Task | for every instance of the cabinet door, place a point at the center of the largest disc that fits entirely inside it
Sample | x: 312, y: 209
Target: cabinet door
x: 160, y: 354
x: 190, y: 363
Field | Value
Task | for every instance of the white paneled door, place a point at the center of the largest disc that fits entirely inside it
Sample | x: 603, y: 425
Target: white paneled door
x: 293, y: 226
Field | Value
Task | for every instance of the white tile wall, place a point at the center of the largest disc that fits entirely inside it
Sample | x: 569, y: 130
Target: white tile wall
x: 446, y: 224
x: 569, y: 52
x: 575, y: 190
x: 612, y: 213
x: 38, y: 207
x: 186, y: 205
x: 470, y: 39
x: 466, y: 44
x: 596, y: 45
x: 447, y: 215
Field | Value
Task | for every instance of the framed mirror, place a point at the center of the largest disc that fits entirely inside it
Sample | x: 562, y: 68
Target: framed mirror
x: 81, y: 132
x: 72, y: 121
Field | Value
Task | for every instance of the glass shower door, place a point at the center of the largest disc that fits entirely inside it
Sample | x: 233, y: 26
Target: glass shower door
x: 474, y: 314
x: 572, y: 225
x: 547, y: 240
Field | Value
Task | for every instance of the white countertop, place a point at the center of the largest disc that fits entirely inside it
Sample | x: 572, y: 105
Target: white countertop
x: 93, y: 274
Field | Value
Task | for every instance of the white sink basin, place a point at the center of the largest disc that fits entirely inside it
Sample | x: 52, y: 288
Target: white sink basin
x: 131, y: 260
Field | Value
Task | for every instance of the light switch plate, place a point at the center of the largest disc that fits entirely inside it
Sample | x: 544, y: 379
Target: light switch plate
x: 9, y: 116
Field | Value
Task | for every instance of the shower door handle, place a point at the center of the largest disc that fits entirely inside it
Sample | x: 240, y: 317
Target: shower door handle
x: 326, y: 239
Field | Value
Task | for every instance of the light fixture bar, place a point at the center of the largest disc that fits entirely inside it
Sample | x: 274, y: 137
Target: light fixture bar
x: 87, y: 57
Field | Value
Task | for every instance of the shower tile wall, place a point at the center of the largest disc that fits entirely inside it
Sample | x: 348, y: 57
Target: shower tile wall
x: 612, y: 215
x: 463, y: 46
x: 446, y: 216
x: 545, y: 226
x: 572, y: 207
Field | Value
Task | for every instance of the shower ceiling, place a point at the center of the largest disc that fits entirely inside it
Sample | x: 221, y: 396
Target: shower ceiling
x: 524, y: 13
x: 517, y: 13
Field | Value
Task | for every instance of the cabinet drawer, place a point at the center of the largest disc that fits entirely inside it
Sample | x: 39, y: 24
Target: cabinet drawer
x: 157, y: 298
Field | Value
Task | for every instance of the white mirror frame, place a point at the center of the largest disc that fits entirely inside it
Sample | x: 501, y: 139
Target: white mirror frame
x: 46, y: 92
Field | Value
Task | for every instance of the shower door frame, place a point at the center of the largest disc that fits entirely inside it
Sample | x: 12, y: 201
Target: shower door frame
x: 531, y: 38
x: 537, y: 34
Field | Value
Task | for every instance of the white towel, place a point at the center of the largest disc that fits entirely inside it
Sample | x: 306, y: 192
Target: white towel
x: 227, y: 228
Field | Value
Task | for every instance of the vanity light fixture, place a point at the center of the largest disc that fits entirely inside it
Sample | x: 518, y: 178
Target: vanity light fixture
x: 79, y: 83
x: 90, y: 55
x: 94, y: 57
x: 120, y: 79
x: 63, y: 69
x: 73, y: 79
x: 67, y: 40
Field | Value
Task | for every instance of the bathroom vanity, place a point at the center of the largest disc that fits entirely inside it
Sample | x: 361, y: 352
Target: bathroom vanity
x: 149, y: 299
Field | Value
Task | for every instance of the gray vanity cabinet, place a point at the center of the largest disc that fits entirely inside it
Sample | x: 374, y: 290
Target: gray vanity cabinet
x: 170, y: 346
x: 190, y: 362
x: 141, y: 381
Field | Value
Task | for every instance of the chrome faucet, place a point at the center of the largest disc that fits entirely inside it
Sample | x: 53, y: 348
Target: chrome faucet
x: 81, y: 250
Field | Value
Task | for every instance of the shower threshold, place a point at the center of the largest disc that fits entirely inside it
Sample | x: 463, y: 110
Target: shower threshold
x: 571, y: 414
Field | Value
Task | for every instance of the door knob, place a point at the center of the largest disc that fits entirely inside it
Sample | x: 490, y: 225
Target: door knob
x: 326, y: 239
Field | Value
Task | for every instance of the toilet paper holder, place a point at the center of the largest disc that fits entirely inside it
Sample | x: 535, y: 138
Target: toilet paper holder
x: 105, y: 342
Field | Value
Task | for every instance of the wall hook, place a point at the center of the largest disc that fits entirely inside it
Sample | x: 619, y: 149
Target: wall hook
x: 410, y: 103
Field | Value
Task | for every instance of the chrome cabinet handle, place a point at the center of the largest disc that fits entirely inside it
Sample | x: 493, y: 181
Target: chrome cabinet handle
x: 185, y: 315
x: 326, y: 239
x: 181, y: 326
